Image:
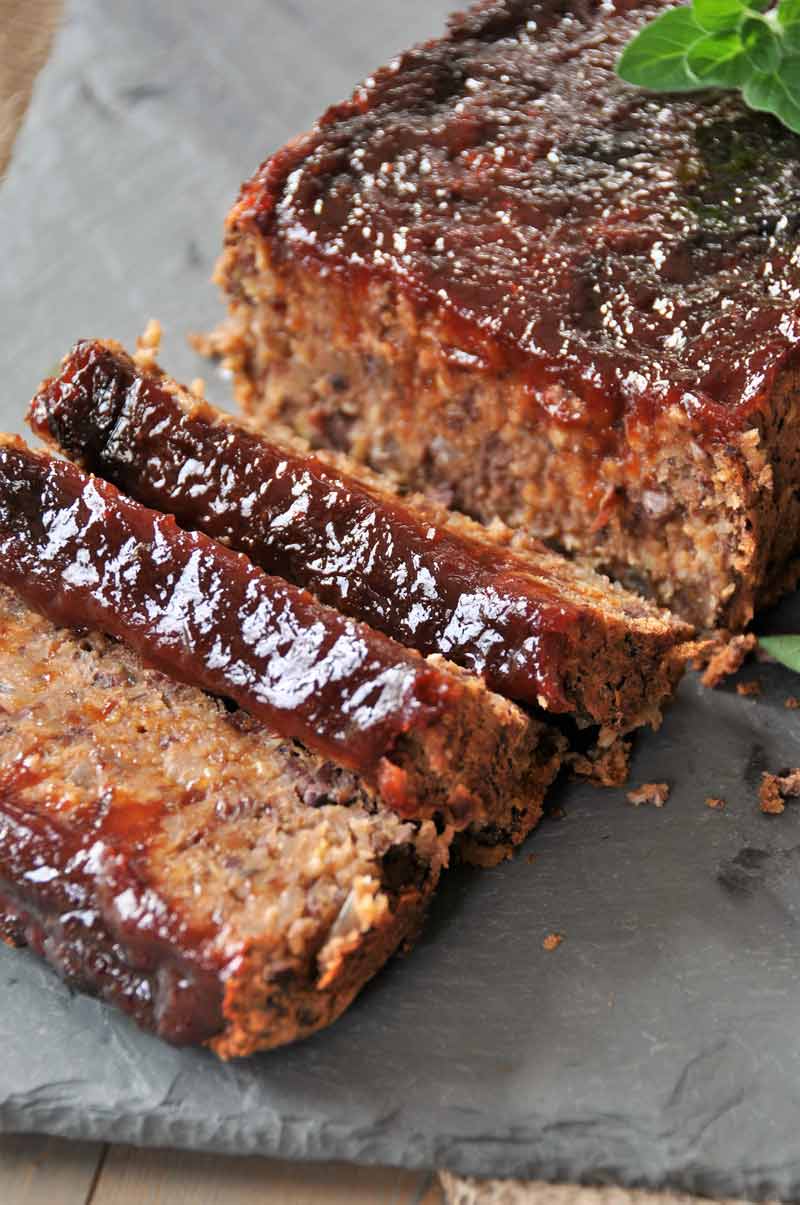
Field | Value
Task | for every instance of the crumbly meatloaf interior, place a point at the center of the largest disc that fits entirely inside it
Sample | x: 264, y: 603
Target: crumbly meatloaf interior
x: 708, y: 531
x: 216, y: 882
x: 539, y: 628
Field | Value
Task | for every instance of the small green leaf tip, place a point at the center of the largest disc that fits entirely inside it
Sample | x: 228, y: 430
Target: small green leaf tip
x: 785, y: 649
x: 727, y: 44
x: 656, y: 58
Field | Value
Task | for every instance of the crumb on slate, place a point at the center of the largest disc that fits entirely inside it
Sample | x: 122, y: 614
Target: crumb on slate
x: 656, y: 793
x: 730, y: 655
x: 749, y: 688
x: 530, y: 859
x: 792, y: 704
x: 776, y: 788
x: 714, y: 802
x: 552, y: 941
x: 147, y: 346
x: 602, y: 767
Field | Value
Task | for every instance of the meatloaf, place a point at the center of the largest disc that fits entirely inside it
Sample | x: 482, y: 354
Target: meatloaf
x: 538, y: 628
x: 218, y: 883
x: 502, y: 276
x: 427, y: 736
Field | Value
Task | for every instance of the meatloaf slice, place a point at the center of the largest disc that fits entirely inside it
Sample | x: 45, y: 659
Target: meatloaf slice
x: 537, y: 627
x: 216, y: 882
x: 504, y: 277
x: 427, y: 736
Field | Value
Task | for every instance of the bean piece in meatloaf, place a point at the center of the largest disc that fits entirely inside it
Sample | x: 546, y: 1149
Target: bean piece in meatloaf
x: 431, y: 739
x: 538, y: 628
x: 217, y: 883
x: 502, y: 276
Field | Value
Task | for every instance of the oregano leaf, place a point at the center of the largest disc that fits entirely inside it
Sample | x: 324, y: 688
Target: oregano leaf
x: 718, y: 61
x: 785, y: 649
x: 723, y: 44
x: 718, y: 15
x: 789, y: 21
x: 777, y: 92
x: 789, y: 12
x: 656, y: 58
x: 761, y: 47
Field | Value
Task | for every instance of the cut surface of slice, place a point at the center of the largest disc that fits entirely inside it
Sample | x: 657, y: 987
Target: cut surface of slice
x: 537, y: 627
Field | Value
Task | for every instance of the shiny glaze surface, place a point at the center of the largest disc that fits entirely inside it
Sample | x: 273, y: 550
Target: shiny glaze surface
x: 368, y: 555
x: 622, y: 251
x: 82, y: 554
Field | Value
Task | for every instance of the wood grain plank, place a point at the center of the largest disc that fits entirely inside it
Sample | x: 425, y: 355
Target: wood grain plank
x: 36, y: 1170
x: 131, y: 1176
x: 27, y: 28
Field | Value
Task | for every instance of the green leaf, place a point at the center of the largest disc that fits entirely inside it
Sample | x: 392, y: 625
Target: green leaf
x: 656, y: 58
x: 718, y: 61
x: 789, y: 12
x: 785, y: 649
x: 761, y: 46
x: 723, y: 44
x: 714, y: 15
x: 789, y: 22
x: 777, y: 92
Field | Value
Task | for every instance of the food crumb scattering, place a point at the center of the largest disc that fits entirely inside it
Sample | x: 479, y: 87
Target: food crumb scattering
x: 776, y: 788
x: 729, y: 657
x: 751, y: 689
x: 656, y: 793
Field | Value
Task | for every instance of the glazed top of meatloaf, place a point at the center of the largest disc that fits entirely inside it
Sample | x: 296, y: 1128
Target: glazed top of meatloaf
x: 629, y: 251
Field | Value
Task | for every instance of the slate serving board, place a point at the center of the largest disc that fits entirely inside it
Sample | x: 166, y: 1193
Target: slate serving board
x: 659, y: 1045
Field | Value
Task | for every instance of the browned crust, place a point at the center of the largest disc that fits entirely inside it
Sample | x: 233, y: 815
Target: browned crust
x: 260, y: 1014
x: 492, y: 843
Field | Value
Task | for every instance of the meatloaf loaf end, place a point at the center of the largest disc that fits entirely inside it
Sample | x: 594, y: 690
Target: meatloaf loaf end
x: 217, y: 883
x: 501, y: 276
x: 539, y: 629
x: 431, y: 739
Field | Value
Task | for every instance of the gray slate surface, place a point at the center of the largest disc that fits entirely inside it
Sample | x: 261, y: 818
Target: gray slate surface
x: 660, y: 1044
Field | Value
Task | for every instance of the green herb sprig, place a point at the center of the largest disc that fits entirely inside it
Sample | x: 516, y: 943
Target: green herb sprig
x: 723, y: 44
x: 785, y: 649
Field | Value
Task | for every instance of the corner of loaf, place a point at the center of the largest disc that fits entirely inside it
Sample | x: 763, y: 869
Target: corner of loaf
x: 540, y: 319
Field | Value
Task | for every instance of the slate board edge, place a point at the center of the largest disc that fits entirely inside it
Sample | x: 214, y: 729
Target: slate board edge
x: 528, y: 1155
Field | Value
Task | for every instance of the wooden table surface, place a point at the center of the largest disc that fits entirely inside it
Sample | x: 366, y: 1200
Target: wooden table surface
x: 48, y: 1171
x: 51, y: 1171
